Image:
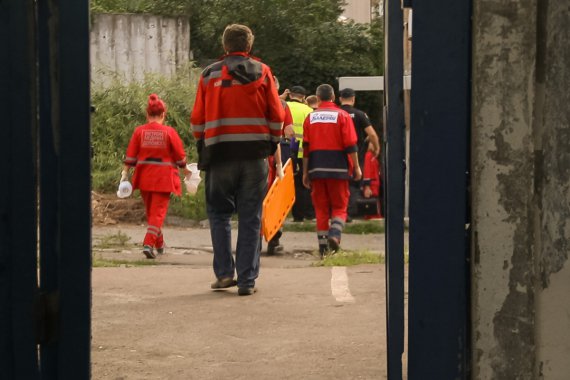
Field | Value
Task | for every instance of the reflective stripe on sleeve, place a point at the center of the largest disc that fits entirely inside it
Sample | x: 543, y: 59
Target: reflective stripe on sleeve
x: 275, y: 126
x: 198, y: 128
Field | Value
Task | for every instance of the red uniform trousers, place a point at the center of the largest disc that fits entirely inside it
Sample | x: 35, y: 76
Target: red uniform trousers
x: 330, y: 198
x: 156, y: 205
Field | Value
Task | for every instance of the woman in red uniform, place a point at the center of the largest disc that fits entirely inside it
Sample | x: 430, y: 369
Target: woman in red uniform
x: 156, y: 151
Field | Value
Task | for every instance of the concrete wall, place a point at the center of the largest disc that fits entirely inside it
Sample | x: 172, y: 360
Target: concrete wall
x: 128, y: 46
x: 521, y: 189
x: 358, y: 10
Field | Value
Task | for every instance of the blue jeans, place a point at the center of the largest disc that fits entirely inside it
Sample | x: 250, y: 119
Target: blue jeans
x: 236, y: 186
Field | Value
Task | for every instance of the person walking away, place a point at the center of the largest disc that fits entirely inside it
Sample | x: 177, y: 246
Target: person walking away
x: 155, y: 151
x: 371, y: 179
x: 302, y: 208
x: 236, y: 121
x: 330, y: 154
x: 312, y: 101
x: 365, y: 133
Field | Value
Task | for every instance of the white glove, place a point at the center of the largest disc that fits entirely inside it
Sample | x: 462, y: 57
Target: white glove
x: 279, y: 170
x: 124, y: 176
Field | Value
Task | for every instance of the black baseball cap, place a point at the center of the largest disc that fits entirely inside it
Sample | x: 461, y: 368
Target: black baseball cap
x: 347, y: 93
x: 298, y: 90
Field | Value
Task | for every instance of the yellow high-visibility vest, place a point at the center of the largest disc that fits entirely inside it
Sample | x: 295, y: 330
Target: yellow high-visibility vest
x: 299, y: 112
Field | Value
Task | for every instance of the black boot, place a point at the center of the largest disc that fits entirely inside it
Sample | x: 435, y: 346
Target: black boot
x: 323, y: 245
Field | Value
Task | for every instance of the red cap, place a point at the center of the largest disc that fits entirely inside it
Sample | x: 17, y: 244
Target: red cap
x: 155, y: 105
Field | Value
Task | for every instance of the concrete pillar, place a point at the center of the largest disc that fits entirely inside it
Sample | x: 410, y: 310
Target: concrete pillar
x: 521, y: 190
x: 504, y: 55
x: 552, y: 189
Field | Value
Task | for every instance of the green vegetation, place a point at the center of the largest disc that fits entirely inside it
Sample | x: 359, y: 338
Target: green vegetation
x: 303, y: 41
x: 121, y: 107
x: 189, y: 206
x: 120, y: 239
x: 356, y: 227
x: 349, y: 258
x: 99, y: 262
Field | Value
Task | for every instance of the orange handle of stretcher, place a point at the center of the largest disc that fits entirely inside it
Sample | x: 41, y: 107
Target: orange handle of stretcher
x: 278, y: 202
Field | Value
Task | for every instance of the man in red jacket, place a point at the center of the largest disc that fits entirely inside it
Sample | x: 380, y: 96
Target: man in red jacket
x: 329, y: 156
x: 236, y: 120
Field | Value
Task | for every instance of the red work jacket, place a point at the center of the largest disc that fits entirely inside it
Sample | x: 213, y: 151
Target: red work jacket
x: 371, y: 175
x: 156, y: 151
x: 237, y: 113
x: 328, y: 138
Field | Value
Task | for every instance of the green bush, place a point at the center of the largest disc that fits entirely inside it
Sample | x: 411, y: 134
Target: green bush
x: 120, y: 108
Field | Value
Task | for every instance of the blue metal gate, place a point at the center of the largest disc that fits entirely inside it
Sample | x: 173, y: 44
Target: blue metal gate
x: 438, y: 317
x: 45, y: 277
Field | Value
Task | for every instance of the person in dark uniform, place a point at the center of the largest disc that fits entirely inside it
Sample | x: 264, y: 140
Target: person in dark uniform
x: 364, y: 131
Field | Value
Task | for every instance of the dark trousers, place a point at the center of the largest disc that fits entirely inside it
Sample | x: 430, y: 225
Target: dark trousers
x: 303, y: 206
x: 355, y: 194
x: 236, y: 186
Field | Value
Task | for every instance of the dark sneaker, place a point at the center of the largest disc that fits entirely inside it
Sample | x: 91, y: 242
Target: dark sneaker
x: 273, y: 247
x: 223, y: 283
x: 334, y: 244
x: 160, y: 250
x: 246, y: 291
x: 147, y: 251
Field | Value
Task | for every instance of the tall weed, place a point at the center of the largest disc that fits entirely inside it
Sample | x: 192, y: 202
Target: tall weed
x: 120, y: 108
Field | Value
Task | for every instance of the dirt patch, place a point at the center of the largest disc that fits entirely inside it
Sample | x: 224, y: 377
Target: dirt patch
x: 107, y: 209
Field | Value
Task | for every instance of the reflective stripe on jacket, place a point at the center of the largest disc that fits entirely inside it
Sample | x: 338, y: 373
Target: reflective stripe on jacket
x: 237, y: 113
x: 329, y: 137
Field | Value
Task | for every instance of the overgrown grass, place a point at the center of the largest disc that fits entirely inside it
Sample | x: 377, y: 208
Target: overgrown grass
x: 99, y: 262
x: 349, y: 258
x: 120, y: 108
x: 120, y: 239
x: 189, y: 206
x: 360, y: 228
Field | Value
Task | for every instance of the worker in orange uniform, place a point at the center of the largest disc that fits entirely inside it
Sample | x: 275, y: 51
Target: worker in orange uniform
x: 236, y: 121
x: 329, y: 157
x: 371, y: 179
x: 156, y: 152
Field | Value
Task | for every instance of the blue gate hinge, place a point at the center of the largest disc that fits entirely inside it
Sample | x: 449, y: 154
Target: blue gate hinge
x: 46, y: 315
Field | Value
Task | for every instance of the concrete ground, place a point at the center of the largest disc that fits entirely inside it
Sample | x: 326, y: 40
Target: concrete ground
x: 305, y: 322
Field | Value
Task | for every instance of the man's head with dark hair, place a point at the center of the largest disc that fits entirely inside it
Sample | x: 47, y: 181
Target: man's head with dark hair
x: 237, y: 38
x: 347, y: 96
x: 325, y: 93
x: 297, y: 92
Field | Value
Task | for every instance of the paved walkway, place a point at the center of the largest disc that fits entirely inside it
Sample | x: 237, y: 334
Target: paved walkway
x: 305, y: 322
